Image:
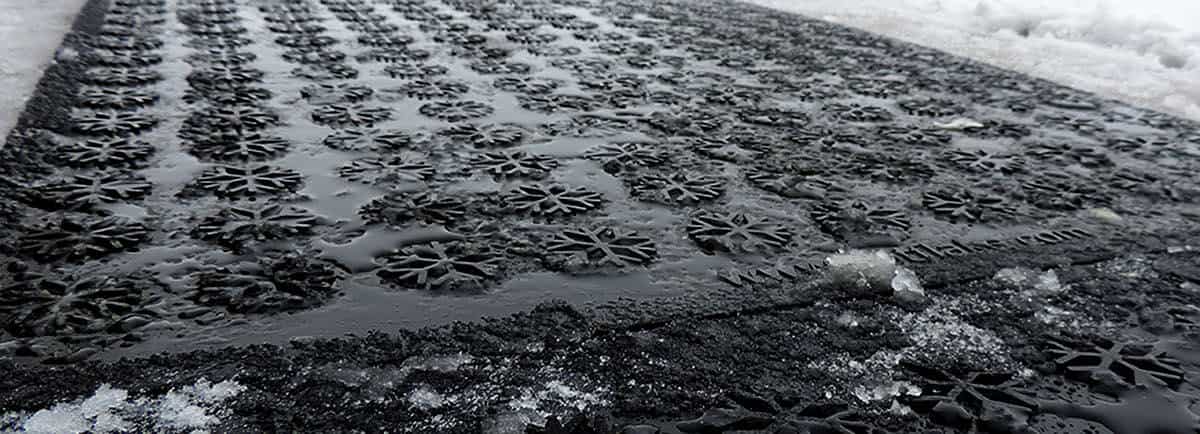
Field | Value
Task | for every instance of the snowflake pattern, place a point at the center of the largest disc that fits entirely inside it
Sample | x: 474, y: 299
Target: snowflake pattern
x: 456, y: 111
x: 393, y: 55
x: 434, y: 89
x: 234, y: 118
x: 499, y: 67
x: 386, y: 171
x: 258, y: 180
x: 82, y: 192
x: 237, y: 225
x: 343, y: 115
x: 969, y: 400
x: 239, y: 146
x: 626, y: 155
x: 369, y: 139
x: 1130, y: 364
x: 106, y: 152
x: 1062, y: 191
x: 604, y: 247
x: 120, y: 76
x: 272, y: 284
x: 677, y: 188
x: 554, y: 103
x: 114, y: 123
x: 554, y: 200
x: 77, y: 241
x: 442, y: 266
x: 325, y: 72
x: 225, y: 74
x: 985, y: 162
x: 335, y: 93
x: 846, y: 217
x: 737, y: 232
x: 40, y: 305
x: 854, y: 112
x: 414, y: 70
x: 400, y: 209
x: 966, y: 205
x: 116, y: 98
x: 527, y: 85
x: 514, y: 164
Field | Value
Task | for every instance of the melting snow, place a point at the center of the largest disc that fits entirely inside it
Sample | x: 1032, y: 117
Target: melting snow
x: 110, y: 410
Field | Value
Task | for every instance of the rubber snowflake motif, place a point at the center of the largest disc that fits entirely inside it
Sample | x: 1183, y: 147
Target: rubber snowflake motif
x: 966, y: 205
x: 77, y: 241
x: 295, y: 28
x: 356, y: 115
x: 459, y: 38
x: 1067, y: 154
x: 530, y: 38
x: 227, y: 95
x: 106, y: 152
x: 794, y: 185
x: 441, y: 266
x: 677, y: 188
x: 1062, y: 191
x: 386, y: 171
x: 514, y: 164
x: 385, y: 40
x: 923, y: 137
x: 845, y: 217
x: 114, y: 123
x: 496, y: 67
x: 599, y: 36
x: 121, y: 76
x: 739, y: 96
x: 527, y: 84
x: 554, y: 200
x: 213, y: 74
x: 604, y: 247
x: 325, y: 72
x: 239, y: 146
x: 434, y: 89
x: 983, y: 161
x: 370, y: 139
x: 854, y: 112
x: 272, y: 284
x: 236, y: 225
x: 126, y: 58
x: 334, y: 93
x: 626, y: 155
x: 313, y: 56
x: 232, y: 118
x: 414, y: 70
x: 554, y: 51
x: 737, y: 231
x: 930, y: 107
x: 393, y: 55
x: 116, y: 98
x: 896, y: 170
x: 258, y: 180
x: 399, y: 209
x: 456, y: 111
x: 40, y: 305
x: 1130, y: 364
x: 306, y: 41
x: 555, y: 103
x: 1078, y: 124
x: 82, y: 192
x: 968, y: 401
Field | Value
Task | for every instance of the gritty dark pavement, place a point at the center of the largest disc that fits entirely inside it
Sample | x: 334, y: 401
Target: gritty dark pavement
x: 562, y: 216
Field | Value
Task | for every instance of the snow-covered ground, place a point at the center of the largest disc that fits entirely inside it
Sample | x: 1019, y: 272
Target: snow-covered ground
x: 187, y: 409
x: 30, y: 31
x: 1146, y: 52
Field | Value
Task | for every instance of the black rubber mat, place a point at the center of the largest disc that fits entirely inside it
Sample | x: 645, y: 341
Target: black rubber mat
x: 197, y: 174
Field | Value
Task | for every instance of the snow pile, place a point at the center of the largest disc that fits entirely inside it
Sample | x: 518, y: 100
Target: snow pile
x: 110, y: 410
x: 1145, y: 52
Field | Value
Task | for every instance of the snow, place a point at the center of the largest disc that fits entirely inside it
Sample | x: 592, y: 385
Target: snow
x: 111, y: 410
x: 1145, y: 52
x: 30, y: 30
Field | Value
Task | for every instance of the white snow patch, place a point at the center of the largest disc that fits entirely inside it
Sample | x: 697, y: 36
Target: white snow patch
x: 110, y: 410
x: 1145, y: 52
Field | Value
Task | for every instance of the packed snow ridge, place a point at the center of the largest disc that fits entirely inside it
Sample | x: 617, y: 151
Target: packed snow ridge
x: 1145, y: 52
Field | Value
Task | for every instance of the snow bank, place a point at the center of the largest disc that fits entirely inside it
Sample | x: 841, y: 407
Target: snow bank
x: 1146, y: 52
x: 109, y: 409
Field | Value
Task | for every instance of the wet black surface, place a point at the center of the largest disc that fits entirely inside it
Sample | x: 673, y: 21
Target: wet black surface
x: 209, y: 173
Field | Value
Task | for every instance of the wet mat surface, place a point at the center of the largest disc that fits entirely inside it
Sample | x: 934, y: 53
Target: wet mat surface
x: 195, y: 174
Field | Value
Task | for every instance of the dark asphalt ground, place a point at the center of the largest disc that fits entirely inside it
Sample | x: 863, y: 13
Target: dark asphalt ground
x: 587, y: 217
